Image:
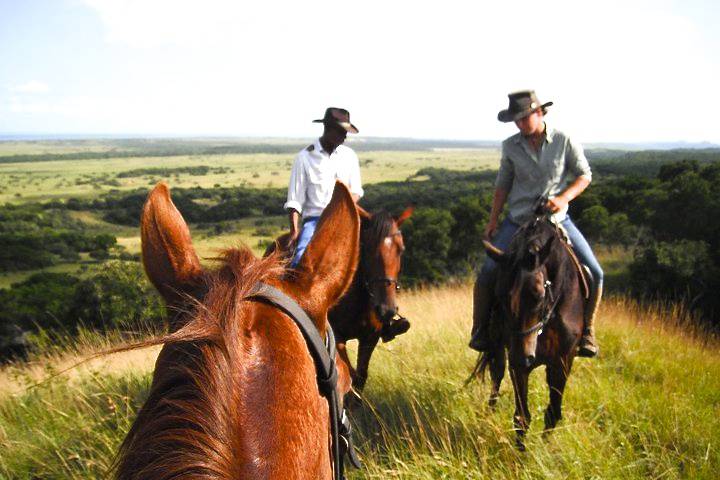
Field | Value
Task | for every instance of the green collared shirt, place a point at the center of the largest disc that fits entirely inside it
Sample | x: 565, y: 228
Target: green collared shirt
x: 527, y: 174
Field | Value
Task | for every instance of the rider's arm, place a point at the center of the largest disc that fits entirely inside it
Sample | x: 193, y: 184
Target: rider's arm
x: 499, y: 199
x: 503, y: 184
x: 578, y: 164
x: 296, y: 196
x: 294, y: 224
x: 571, y: 192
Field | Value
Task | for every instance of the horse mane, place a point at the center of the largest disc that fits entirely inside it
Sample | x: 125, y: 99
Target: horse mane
x: 377, y: 227
x: 186, y: 426
x: 538, y: 234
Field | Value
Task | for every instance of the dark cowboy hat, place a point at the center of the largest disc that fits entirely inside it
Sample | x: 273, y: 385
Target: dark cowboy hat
x: 521, y: 105
x: 338, y: 116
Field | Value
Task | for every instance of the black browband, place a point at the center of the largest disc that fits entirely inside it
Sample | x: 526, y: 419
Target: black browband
x: 323, y: 353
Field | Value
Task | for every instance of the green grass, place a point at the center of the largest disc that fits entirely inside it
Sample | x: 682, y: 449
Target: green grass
x: 647, y: 408
x: 39, y: 181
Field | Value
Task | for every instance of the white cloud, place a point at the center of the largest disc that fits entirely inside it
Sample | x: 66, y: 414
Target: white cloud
x: 617, y: 70
x: 30, y: 87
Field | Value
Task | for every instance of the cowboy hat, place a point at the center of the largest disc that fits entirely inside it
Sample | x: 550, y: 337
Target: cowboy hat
x: 338, y: 116
x: 521, y: 104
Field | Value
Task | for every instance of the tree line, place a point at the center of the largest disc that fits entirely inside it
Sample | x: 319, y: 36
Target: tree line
x: 666, y: 215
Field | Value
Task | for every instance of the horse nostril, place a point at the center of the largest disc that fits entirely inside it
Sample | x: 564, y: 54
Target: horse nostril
x: 529, y: 360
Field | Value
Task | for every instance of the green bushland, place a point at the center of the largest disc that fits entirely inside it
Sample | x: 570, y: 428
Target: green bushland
x: 663, y: 215
x: 166, y: 172
x: 646, y: 408
x: 48, y: 305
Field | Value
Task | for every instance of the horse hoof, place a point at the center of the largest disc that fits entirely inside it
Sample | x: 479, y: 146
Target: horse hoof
x: 492, y: 402
x: 520, y: 445
x: 550, y: 421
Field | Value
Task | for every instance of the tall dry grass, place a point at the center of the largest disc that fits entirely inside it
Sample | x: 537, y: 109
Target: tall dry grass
x: 647, y: 408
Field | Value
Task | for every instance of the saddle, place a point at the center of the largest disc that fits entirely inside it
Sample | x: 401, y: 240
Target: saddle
x: 582, y: 270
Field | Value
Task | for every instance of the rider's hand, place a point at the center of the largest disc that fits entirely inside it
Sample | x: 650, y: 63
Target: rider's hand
x: 294, y: 234
x: 556, y: 204
x: 490, y: 229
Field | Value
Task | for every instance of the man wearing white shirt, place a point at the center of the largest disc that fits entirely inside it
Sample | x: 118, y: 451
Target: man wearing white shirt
x: 313, y: 176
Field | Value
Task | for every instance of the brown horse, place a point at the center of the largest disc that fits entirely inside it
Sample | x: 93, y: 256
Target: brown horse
x: 235, y: 391
x: 368, y: 311
x: 538, y: 317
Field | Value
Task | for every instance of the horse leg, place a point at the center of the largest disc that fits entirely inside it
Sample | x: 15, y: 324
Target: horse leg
x: 366, y: 346
x: 342, y: 352
x: 556, y: 374
x: 497, y: 372
x: 522, y: 418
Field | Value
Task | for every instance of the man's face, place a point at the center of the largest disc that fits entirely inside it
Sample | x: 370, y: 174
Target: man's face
x: 532, y: 124
x: 334, y: 134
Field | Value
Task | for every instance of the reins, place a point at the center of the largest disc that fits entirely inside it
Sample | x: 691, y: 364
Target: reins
x: 323, y: 354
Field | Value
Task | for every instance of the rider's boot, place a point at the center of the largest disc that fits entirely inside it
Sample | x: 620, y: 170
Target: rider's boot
x: 482, y: 302
x: 588, y: 344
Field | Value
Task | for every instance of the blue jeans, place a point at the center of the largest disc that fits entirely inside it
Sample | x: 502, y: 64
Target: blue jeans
x: 306, y: 233
x: 581, y: 247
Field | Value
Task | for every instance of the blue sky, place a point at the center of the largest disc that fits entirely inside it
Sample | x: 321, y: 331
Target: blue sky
x: 618, y: 71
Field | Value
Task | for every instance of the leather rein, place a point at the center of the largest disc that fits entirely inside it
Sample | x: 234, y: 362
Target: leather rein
x: 323, y: 354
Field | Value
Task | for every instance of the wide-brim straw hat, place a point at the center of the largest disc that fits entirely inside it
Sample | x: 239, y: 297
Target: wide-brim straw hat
x: 338, y: 116
x: 521, y: 104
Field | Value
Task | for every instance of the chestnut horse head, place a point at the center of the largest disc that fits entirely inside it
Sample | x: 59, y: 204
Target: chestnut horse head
x: 234, y: 392
x: 381, y: 249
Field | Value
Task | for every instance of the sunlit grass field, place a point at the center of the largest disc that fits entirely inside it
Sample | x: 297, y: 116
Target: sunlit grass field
x: 61, y: 179
x: 646, y: 408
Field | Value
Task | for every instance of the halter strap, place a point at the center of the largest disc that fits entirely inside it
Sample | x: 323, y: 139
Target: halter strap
x: 323, y: 354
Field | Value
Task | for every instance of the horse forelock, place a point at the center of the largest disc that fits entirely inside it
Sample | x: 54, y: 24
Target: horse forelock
x: 524, y: 253
x: 378, y: 227
x: 186, y: 425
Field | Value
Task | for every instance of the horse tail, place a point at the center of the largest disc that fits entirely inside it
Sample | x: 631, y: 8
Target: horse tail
x: 481, y: 365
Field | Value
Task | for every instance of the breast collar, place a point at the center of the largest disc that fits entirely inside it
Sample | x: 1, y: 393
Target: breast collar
x: 323, y: 354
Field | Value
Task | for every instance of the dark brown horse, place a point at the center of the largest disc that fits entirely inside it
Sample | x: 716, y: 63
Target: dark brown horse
x: 367, y: 311
x: 538, y: 319
x: 235, y: 390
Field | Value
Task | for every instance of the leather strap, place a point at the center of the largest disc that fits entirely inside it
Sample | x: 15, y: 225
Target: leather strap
x: 323, y: 353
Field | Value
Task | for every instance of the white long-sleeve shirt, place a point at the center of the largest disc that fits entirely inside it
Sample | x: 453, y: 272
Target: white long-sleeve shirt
x: 313, y: 176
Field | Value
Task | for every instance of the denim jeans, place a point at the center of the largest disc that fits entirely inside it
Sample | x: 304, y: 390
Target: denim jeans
x: 581, y: 247
x: 306, y: 233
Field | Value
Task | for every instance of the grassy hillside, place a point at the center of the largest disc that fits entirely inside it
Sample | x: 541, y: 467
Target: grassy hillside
x: 647, y: 408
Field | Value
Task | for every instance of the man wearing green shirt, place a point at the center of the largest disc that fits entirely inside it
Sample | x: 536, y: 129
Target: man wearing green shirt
x: 538, y: 161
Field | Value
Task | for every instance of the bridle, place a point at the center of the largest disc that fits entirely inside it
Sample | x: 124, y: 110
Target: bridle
x: 323, y: 353
x: 548, y: 311
x: 550, y: 301
x: 387, y: 281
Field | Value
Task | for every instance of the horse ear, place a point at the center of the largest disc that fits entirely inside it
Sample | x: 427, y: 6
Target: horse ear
x: 405, y: 215
x: 494, y: 252
x: 364, y: 214
x: 168, y: 255
x: 329, y: 262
